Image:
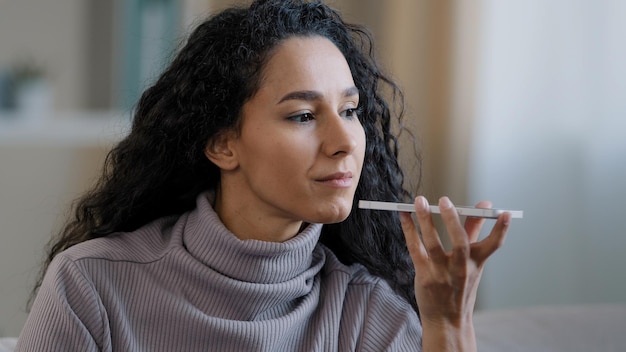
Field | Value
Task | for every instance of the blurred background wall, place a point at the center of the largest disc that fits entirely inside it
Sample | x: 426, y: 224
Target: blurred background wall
x: 521, y: 102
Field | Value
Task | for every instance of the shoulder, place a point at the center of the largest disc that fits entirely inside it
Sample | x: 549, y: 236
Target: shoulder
x: 146, y: 244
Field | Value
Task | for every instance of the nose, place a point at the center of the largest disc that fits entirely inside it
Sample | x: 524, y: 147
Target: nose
x: 340, y: 136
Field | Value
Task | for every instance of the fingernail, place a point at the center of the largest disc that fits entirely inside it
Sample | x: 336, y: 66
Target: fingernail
x: 422, y: 202
x: 507, y: 220
x: 444, y: 202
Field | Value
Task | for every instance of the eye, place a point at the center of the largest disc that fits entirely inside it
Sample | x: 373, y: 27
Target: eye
x: 352, y: 113
x: 302, y: 118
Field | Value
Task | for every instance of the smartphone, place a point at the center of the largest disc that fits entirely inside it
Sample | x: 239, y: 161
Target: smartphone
x: 463, y: 211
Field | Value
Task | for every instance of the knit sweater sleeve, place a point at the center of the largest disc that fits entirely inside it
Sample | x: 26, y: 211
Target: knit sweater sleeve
x: 66, y: 315
x: 391, y: 324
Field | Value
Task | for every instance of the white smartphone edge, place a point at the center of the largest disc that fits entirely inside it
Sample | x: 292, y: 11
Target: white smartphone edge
x: 463, y: 211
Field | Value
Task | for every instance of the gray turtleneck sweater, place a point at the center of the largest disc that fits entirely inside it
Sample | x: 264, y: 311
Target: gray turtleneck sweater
x: 188, y: 284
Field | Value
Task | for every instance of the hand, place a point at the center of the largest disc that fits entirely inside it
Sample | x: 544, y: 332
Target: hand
x: 446, y: 282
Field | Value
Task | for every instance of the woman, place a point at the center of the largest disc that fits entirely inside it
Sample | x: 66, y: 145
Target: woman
x: 205, y: 231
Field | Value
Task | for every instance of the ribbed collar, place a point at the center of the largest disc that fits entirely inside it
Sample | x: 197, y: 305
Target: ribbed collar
x: 209, y: 241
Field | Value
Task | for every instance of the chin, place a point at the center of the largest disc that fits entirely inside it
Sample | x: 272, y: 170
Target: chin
x: 334, y: 214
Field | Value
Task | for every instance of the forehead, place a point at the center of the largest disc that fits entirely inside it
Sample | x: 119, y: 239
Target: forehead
x: 306, y: 62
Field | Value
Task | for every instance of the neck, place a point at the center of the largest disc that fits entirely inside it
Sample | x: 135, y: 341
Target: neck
x: 246, y: 222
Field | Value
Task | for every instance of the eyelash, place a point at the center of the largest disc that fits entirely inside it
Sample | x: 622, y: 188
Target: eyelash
x: 302, y: 118
x: 306, y: 117
x: 354, y: 113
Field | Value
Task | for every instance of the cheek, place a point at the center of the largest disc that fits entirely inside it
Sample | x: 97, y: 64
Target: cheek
x: 276, y: 159
x: 362, y: 143
x: 294, y: 160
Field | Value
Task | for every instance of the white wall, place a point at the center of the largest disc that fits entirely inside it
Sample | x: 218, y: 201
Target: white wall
x: 550, y: 138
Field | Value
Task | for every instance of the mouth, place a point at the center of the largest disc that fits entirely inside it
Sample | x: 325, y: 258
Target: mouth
x: 337, y: 179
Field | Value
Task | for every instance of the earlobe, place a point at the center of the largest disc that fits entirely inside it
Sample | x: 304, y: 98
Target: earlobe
x: 221, y: 152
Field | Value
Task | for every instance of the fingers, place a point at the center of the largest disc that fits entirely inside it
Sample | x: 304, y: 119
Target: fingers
x: 463, y: 238
x: 430, y: 237
x: 485, y: 248
x: 456, y: 232
x: 474, y: 225
x: 429, y: 246
x: 413, y: 243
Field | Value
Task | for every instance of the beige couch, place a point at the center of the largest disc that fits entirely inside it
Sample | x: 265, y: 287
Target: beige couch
x: 588, y: 328
x: 7, y: 344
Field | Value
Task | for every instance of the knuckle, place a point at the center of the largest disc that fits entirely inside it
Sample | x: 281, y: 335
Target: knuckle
x: 460, y: 251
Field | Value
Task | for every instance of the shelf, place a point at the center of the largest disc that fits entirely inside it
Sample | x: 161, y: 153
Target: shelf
x: 63, y: 129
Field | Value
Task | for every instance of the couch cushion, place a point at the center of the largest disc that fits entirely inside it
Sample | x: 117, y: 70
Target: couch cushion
x: 586, y: 328
x: 7, y: 344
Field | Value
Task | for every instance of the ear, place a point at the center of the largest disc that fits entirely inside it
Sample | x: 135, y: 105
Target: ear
x: 221, y: 152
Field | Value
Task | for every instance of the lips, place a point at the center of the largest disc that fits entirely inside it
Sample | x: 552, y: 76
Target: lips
x: 336, y: 176
x: 337, y: 179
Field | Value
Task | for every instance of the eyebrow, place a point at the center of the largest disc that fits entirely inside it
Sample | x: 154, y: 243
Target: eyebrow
x: 310, y: 95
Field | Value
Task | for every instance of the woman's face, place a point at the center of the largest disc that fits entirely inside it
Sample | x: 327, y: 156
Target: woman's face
x: 301, y: 146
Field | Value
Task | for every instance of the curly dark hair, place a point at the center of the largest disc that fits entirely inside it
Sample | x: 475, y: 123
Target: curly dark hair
x: 160, y: 167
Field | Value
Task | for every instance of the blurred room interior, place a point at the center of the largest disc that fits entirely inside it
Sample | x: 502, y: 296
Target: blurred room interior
x: 520, y: 102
